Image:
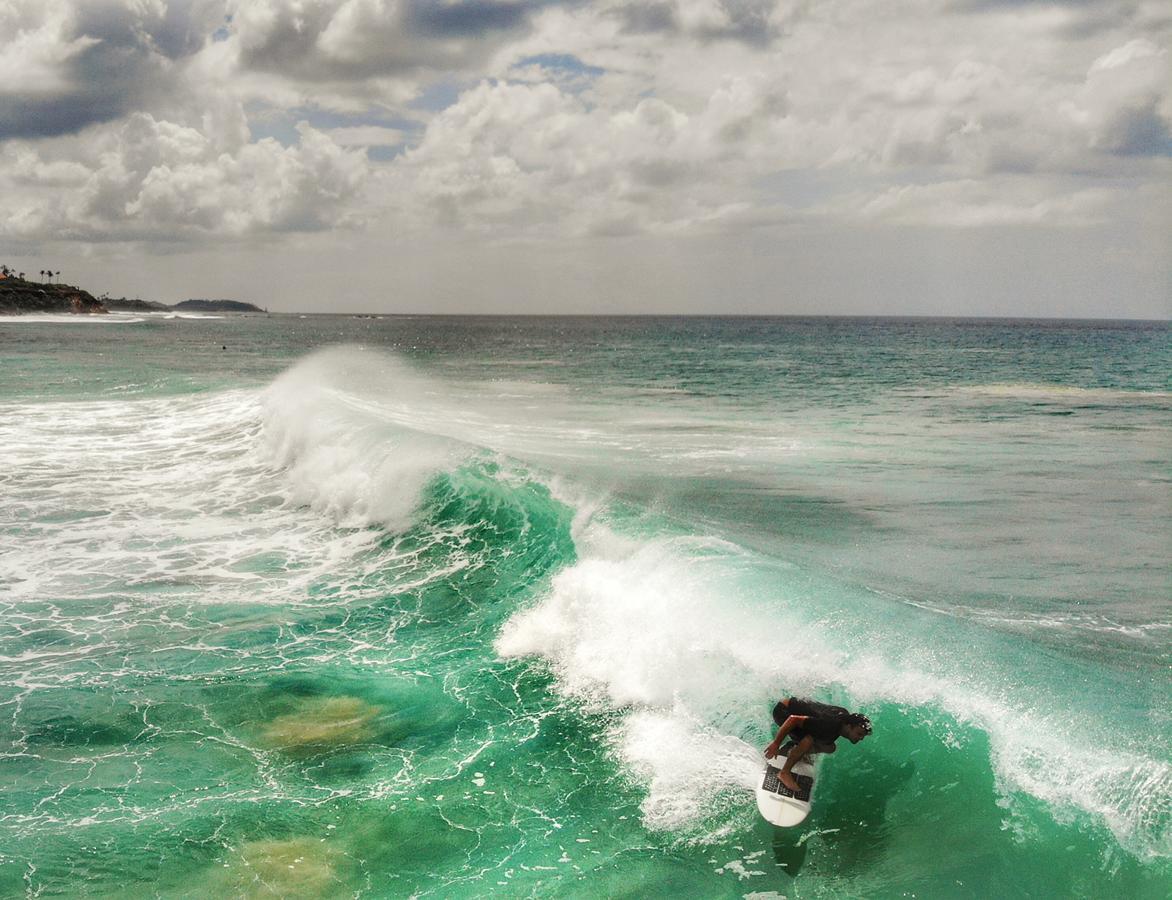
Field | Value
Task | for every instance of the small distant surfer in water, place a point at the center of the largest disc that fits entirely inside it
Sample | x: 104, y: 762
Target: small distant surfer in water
x: 813, y: 728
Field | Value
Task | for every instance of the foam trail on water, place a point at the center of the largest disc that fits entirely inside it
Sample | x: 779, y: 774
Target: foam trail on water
x: 214, y: 497
x: 171, y: 498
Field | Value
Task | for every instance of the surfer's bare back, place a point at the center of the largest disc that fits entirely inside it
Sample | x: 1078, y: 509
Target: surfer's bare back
x: 813, y: 728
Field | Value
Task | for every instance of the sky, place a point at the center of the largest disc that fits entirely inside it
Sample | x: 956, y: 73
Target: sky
x: 926, y: 157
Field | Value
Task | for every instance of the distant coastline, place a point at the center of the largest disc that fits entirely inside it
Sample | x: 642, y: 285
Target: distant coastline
x: 19, y: 296
x: 124, y: 305
x: 216, y: 306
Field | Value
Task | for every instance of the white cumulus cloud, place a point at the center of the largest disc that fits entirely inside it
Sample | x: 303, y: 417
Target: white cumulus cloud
x: 149, y: 180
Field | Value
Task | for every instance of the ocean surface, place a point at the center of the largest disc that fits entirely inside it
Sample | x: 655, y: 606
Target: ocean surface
x: 335, y: 606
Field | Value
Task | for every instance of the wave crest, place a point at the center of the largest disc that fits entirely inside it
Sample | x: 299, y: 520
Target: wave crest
x: 337, y: 422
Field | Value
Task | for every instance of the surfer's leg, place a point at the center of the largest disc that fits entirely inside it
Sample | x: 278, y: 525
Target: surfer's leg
x: 797, y: 752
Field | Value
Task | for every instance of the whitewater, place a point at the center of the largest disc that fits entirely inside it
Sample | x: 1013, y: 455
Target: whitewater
x: 426, y: 606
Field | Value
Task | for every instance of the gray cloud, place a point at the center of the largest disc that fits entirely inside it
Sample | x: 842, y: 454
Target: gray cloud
x: 648, y: 18
x: 31, y: 116
x: 343, y: 41
x: 749, y: 21
x: 472, y: 18
x: 180, y: 29
x: 1139, y: 132
x: 123, y: 57
x: 1081, y: 19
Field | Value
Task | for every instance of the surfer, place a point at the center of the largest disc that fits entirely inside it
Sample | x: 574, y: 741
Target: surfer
x: 813, y: 728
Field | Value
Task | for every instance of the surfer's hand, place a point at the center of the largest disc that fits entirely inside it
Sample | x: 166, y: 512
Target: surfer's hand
x: 771, y: 751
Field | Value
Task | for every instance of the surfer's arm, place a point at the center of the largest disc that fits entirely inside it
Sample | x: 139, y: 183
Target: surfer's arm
x: 787, y: 726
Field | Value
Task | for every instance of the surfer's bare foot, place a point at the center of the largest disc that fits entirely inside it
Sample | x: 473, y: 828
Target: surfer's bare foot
x: 788, y: 780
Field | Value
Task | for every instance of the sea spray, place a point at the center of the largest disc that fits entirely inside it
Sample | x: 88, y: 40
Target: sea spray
x: 342, y: 450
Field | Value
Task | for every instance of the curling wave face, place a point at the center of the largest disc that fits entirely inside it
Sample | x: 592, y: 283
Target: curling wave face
x: 665, y: 626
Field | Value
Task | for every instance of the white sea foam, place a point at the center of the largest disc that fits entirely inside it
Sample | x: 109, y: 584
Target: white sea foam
x: 336, y: 423
x: 166, y: 491
x: 210, y: 498
x: 1062, y: 393
x: 684, y: 637
x: 70, y: 319
x: 541, y: 423
x: 201, y: 498
x: 673, y: 631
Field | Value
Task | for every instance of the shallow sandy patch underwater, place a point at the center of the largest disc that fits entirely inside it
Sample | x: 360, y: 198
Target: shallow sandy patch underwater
x: 323, y: 721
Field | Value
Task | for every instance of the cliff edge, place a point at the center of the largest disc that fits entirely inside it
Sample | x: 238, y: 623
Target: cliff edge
x: 20, y: 296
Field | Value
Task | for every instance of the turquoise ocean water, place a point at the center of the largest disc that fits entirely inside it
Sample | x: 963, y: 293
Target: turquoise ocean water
x: 453, y: 607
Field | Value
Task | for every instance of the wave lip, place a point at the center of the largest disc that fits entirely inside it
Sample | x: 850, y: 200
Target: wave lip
x: 338, y: 423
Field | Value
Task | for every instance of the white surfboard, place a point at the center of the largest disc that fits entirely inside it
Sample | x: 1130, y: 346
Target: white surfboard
x: 777, y: 803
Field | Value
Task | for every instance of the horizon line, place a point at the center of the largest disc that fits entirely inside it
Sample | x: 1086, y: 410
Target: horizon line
x: 693, y: 315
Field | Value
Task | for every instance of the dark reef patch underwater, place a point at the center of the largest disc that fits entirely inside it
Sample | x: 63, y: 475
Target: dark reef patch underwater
x: 469, y: 607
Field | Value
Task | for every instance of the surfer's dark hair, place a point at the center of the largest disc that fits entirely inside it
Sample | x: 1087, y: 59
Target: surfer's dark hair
x: 859, y: 720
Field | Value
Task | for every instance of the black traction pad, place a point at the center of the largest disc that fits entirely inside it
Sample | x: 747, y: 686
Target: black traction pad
x: 774, y: 786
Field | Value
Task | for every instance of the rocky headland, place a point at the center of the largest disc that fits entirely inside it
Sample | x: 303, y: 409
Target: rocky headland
x: 19, y: 296
x: 123, y: 304
x: 216, y: 306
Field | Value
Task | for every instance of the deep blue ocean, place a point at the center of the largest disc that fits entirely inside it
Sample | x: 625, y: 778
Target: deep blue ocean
x: 335, y: 606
